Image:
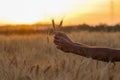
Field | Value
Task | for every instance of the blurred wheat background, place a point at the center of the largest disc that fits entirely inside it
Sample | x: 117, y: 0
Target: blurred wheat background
x: 35, y: 57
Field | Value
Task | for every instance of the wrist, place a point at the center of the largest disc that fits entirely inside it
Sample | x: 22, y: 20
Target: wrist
x: 73, y: 48
x: 80, y: 49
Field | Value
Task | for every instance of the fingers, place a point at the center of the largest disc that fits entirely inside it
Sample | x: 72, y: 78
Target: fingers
x: 59, y: 47
x: 59, y: 42
x: 56, y: 37
x: 59, y: 38
x: 62, y: 41
x: 62, y: 48
x: 59, y: 33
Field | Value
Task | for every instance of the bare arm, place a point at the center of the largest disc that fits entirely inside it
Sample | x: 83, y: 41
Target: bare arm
x: 65, y: 44
x: 104, y: 54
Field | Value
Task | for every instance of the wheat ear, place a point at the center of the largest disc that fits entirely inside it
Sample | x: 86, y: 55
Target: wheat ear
x: 53, y: 24
x: 61, y: 22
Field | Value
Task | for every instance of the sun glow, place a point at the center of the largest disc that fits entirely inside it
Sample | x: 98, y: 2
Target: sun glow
x: 28, y: 11
x: 74, y: 11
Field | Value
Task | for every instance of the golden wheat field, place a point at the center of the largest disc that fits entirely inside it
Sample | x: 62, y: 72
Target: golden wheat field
x: 35, y: 57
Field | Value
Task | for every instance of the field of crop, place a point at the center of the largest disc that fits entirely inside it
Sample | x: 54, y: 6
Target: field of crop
x: 35, y: 57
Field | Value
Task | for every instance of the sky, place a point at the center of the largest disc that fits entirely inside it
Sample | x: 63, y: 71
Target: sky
x: 73, y: 11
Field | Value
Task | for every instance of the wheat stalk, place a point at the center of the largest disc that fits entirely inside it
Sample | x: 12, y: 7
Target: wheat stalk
x: 54, y: 26
x: 61, y: 22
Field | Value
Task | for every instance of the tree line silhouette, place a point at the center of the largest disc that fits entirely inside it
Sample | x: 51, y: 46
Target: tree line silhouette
x: 30, y: 29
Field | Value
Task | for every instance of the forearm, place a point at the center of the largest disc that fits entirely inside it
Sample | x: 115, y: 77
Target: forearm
x: 104, y: 54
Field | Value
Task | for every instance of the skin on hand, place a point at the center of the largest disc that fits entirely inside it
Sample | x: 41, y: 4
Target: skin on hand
x: 63, y: 42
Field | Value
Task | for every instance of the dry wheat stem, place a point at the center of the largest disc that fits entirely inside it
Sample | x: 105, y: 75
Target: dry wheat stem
x: 54, y: 26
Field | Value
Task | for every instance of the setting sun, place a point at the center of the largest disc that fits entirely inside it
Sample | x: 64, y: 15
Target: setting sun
x: 74, y: 11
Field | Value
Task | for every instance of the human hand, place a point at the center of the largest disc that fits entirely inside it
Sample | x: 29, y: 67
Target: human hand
x: 63, y: 42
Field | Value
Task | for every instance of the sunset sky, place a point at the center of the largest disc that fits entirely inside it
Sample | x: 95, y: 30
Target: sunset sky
x: 73, y: 11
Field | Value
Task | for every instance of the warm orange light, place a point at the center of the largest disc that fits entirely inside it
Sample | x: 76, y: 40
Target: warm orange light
x: 74, y: 11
